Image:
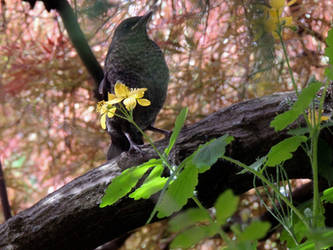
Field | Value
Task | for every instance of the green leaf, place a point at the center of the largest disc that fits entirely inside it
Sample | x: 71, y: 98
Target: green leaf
x: 286, y: 237
x: 318, y: 239
x: 282, y: 151
x: 122, y: 184
x: 178, y: 126
x: 281, y: 121
x: 149, y: 188
x: 178, y: 192
x: 226, y: 205
x: 328, y: 195
x: 256, y: 165
x: 156, y: 172
x: 152, y: 184
x: 193, y: 235
x: 329, y: 72
x: 188, y: 218
x: 306, y: 96
x: 298, y: 131
x: 245, y: 245
x: 329, y: 54
x: 329, y: 48
x: 255, y: 231
x: 210, y: 152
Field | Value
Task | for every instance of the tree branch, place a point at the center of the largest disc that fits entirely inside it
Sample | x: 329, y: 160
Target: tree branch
x: 4, y: 195
x: 70, y: 217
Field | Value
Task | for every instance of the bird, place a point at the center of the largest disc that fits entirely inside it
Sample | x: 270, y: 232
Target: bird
x: 138, y: 62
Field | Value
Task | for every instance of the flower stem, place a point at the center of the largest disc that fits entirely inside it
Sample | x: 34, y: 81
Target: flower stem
x: 315, y: 131
x: 279, y: 32
x: 162, y: 156
x: 314, y: 163
x: 268, y: 183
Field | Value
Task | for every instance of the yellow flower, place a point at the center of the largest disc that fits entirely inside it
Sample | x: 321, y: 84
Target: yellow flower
x: 129, y: 96
x: 105, y: 109
x: 121, y: 94
x: 274, y: 19
x: 277, y: 4
x: 313, y: 117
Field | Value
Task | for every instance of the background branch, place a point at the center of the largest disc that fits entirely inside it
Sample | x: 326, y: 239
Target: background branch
x: 77, y: 37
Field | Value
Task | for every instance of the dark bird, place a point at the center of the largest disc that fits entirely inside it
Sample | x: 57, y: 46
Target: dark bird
x: 138, y: 62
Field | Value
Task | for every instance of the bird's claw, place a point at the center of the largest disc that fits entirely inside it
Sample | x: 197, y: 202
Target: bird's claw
x: 135, y: 149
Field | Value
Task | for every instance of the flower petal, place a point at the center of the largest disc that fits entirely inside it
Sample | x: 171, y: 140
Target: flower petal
x: 324, y: 118
x: 143, y: 102
x: 116, y: 100
x: 111, y: 112
x: 104, y: 108
x: 111, y: 96
x: 130, y: 103
x: 138, y: 93
x: 103, y: 121
x: 121, y: 90
x: 277, y: 4
x: 99, y: 106
x: 291, y: 2
x: 288, y: 20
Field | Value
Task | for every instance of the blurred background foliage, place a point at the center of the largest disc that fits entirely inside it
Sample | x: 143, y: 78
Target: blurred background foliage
x: 218, y: 53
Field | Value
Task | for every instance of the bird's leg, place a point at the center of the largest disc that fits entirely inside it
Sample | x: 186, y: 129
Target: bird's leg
x: 133, y: 146
x: 166, y: 133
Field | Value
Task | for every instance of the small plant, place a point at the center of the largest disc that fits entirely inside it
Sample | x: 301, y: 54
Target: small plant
x: 178, y: 185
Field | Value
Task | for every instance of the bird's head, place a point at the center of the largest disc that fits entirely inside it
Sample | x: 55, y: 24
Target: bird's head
x: 133, y: 26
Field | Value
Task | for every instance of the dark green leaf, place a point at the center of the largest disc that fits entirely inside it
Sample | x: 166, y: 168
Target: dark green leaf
x: 304, y: 99
x: 210, y: 152
x: 188, y: 218
x: 178, y: 126
x: 245, y: 245
x: 122, y: 184
x: 193, y: 235
x: 255, y: 231
x: 226, y: 205
x: 328, y: 195
x: 320, y: 238
x: 178, y: 192
x: 298, y: 131
x: 282, y: 151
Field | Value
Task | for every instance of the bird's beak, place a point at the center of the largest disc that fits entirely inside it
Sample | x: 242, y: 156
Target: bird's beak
x: 143, y: 20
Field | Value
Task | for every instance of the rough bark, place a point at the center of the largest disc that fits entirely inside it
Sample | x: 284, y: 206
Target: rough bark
x: 70, y: 218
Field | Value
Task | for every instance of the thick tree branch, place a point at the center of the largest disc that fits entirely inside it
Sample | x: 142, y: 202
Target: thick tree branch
x: 4, y: 195
x: 70, y: 217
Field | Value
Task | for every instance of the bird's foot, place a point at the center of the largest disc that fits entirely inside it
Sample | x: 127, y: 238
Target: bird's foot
x: 134, y: 148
